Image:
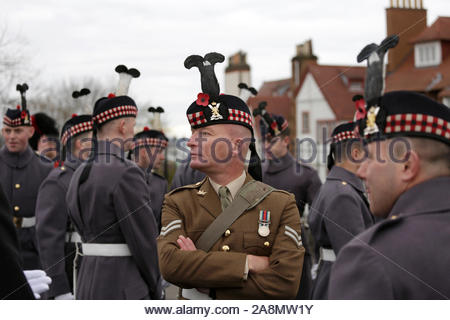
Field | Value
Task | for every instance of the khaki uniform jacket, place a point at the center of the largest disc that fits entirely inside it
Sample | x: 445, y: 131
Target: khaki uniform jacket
x: 191, y: 209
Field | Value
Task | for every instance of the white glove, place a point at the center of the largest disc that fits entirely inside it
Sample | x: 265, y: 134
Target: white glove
x: 38, y: 281
x: 65, y: 296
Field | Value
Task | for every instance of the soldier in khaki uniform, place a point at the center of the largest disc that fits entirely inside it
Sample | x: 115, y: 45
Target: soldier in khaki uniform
x: 258, y: 253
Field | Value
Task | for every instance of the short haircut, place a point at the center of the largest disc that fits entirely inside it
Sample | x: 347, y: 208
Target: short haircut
x: 343, y: 150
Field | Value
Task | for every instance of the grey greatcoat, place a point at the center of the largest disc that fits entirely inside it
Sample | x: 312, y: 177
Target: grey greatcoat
x: 304, y: 182
x: 405, y: 256
x: 21, y: 175
x: 14, y: 285
x: 339, y: 213
x: 158, y: 189
x: 52, y: 227
x: 112, y: 207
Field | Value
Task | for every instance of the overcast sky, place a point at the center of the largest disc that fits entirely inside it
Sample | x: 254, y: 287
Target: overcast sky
x: 89, y: 38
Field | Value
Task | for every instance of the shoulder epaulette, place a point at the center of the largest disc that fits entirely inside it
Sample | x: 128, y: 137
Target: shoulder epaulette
x: 188, y: 186
x: 384, y: 225
x: 282, y: 191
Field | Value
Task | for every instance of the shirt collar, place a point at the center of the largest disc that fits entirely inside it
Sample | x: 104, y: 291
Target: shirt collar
x: 233, y: 186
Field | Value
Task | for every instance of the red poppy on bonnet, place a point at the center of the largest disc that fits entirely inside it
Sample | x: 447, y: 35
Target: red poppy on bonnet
x: 203, y: 99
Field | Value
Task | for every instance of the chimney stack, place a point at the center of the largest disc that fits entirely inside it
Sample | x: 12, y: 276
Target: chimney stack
x: 303, y: 57
x: 406, y: 18
x: 236, y: 72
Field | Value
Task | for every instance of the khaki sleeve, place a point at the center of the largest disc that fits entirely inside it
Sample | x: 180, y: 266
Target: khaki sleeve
x: 194, y: 269
x: 281, y: 280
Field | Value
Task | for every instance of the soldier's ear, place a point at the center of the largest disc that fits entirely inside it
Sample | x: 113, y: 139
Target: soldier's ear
x: 411, y: 166
x: 121, y: 127
x: 30, y: 131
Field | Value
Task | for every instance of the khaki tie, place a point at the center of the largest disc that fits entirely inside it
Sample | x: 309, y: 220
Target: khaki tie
x: 225, y: 197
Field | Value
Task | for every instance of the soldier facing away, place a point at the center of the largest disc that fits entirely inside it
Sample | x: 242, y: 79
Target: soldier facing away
x: 109, y: 203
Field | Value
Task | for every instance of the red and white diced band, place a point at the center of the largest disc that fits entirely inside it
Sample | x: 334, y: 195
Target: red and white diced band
x: 76, y: 129
x: 9, y: 122
x: 238, y: 115
x: 196, y: 118
x: 150, y: 142
x: 115, y: 113
x: 344, y: 135
x: 410, y: 122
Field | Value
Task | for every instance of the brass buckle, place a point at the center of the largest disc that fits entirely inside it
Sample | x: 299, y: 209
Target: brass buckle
x: 18, y: 222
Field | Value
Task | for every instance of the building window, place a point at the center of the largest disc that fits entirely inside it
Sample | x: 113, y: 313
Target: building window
x: 324, y: 130
x: 427, y: 54
x: 355, y: 86
x: 305, y: 122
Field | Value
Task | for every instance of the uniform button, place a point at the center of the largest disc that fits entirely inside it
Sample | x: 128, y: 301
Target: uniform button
x: 394, y: 217
x: 17, y: 186
x: 63, y: 168
x: 225, y: 248
x: 344, y: 183
x: 16, y: 208
x: 227, y: 233
x: 267, y: 244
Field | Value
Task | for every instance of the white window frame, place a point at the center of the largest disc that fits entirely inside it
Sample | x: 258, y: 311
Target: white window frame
x: 427, y: 54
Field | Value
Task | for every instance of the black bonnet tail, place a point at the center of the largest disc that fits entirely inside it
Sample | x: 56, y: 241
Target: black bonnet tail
x: 87, y: 169
x: 254, y: 167
x: 330, y: 158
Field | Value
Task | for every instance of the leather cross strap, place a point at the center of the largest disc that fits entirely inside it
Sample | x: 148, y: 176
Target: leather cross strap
x: 252, y: 193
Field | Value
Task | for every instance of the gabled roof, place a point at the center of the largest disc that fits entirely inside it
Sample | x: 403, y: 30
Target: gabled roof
x: 408, y: 77
x: 275, y: 88
x: 281, y: 105
x: 334, y: 83
x: 278, y: 105
x: 439, y: 30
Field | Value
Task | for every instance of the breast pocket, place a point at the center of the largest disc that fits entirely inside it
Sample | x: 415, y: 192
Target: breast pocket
x: 257, y: 245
